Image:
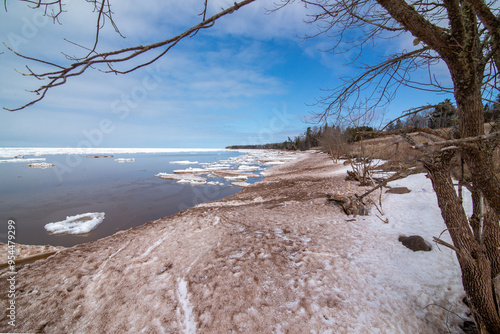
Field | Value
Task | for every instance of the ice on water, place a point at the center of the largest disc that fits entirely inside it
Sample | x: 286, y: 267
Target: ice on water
x: 78, y: 224
x: 253, y: 160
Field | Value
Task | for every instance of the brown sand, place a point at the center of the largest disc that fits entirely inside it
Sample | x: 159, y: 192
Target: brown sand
x: 274, y: 258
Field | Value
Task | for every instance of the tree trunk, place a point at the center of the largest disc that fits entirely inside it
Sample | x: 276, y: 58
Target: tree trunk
x: 481, y: 165
x: 491, y: 237
x: 473, y: 257
x: 479, y: 158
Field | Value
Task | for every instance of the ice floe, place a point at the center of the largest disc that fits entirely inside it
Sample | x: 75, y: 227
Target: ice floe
x: 183, y: 178
x: 122, y: 160
x: 184, y: 162
x: 98, y: 156
x: 236, y: 178
x: 42, y: 165
x: 247, y: 168
x: 10, y: 152
x: 15, y: 160
x: 190, y: 170
x: 216, y: 166
x: 193, y: 182
x: 237, y: 169
x: 215, y: 183
x: 79, y: 224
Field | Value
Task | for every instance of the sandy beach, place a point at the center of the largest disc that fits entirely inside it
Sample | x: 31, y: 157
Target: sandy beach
x: 273, y: 258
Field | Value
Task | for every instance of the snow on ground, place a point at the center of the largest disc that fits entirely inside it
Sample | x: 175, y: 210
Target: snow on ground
x: 79, y: 224
x: 432, y: 280
x: 273, y: 258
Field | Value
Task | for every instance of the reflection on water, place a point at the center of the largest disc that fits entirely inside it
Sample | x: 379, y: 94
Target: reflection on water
x: 127, y: 192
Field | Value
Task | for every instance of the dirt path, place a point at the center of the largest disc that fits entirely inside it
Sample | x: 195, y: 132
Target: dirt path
x: 271, y: 259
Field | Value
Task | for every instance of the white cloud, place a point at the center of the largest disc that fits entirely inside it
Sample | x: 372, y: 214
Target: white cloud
x: 220, y: 80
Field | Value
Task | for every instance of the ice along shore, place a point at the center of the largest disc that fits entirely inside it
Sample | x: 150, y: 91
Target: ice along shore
x: 272, y: 258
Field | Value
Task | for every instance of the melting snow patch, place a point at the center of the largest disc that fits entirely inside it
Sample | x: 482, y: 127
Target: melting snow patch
x: 79, y: 224
x: 187, y: 308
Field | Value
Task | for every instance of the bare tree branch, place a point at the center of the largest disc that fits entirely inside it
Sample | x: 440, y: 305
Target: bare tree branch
x: 60, y: 76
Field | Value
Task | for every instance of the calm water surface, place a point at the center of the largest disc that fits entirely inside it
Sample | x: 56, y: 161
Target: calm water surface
x: 128, y: 193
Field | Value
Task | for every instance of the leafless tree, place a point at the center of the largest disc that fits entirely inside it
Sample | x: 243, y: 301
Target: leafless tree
x: 107, y: 61
x: 334, y: 142
x: 464, y: 35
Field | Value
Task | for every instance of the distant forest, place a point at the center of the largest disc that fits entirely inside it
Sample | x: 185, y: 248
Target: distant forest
x: 442, y: 115
x: 311, y: 138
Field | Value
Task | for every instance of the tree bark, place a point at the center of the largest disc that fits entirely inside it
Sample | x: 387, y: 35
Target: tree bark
x: 491, y: 237
x: 473, y: 258
x: 482, y: 167
x: 467, y: 72
x: 478, y: 156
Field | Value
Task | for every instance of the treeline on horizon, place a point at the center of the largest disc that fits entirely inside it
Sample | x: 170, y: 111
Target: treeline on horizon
x: 313, y: 137
x: 442, y: 116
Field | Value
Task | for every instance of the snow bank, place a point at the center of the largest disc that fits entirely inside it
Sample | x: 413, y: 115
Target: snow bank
x: 79, y: 224
x: 431, y: 280
x: 417, y: 212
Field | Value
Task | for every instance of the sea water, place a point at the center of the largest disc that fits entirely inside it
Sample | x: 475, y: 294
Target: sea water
x: 127, y: 192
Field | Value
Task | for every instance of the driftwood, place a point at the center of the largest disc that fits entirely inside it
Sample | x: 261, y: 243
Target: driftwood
x: 382, y: 184
x: 351, y: 176
x: 354, y: 176
x: 28, y: 259
x: 351, y: 205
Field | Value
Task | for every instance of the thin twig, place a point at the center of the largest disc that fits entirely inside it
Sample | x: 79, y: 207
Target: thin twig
x: 60, y: 76
x: 444, y: 243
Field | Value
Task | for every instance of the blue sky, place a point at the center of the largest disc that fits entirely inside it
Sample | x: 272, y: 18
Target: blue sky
x: 247, y: 80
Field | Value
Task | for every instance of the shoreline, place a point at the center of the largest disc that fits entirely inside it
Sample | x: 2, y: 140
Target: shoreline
x: 272, y: 258
x: 129, y: 194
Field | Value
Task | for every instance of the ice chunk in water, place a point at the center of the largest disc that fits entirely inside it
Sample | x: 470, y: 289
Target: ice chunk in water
x: 79, y: 224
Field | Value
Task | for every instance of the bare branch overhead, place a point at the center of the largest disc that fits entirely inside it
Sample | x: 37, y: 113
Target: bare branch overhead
x: 110, y: 58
